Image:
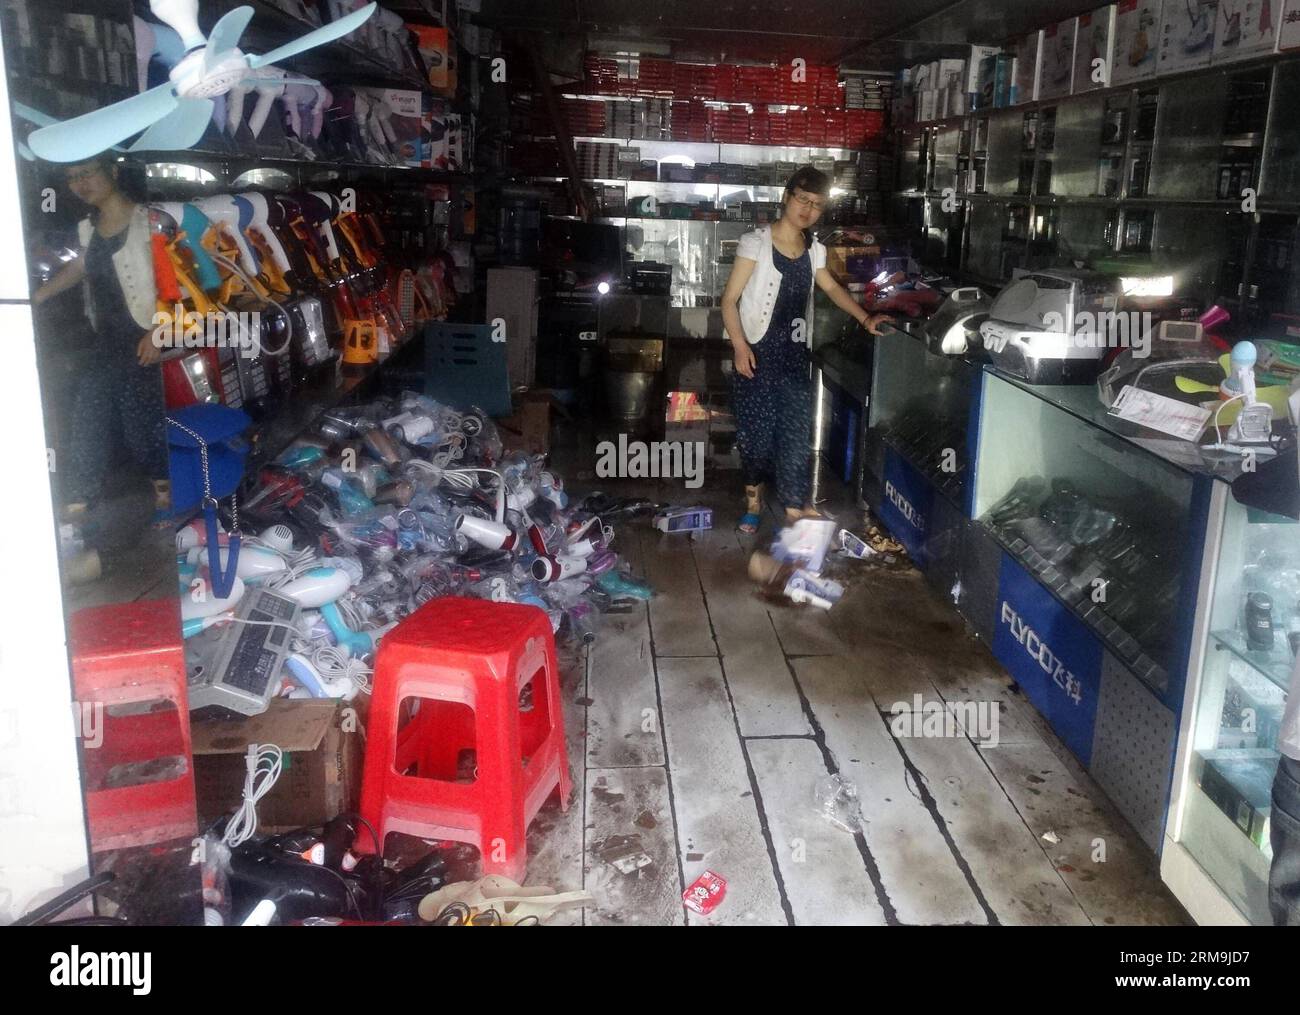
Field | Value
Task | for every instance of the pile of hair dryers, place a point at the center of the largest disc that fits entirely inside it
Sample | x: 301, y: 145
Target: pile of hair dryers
x: 387, y: 505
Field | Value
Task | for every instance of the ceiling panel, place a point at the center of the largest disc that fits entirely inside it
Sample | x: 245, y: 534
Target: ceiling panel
x: 876, y: 34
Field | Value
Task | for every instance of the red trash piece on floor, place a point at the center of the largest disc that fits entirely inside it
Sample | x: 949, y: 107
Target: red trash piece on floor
x: 705, y: 893
x: 454, y: 750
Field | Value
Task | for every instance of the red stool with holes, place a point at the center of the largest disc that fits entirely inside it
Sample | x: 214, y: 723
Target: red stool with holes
x: 455, y: 747
x: 133, y: 717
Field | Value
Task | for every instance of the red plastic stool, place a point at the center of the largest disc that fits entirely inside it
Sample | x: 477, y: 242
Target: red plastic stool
x: 467, y: 662
x: 126, y: 654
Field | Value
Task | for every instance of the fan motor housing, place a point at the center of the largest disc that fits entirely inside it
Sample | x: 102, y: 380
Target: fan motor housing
x: 194, y: 80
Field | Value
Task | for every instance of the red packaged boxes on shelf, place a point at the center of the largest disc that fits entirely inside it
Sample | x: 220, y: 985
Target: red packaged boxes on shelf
x: 797, y: 127
x: 683, y: 81
x: 600, y: 76
x: 705, y: 80
x: 827, y: 87
x: 725, y: 84
x: 757, y: 84
x: 863, y: 127
x: 583, y: 117
x: 730, y: 125
x: 834, y: 126
x: 655, y: 77
x: 690, y: 121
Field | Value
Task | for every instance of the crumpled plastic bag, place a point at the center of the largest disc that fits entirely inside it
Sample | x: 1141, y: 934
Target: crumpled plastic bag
x: 837, y: 802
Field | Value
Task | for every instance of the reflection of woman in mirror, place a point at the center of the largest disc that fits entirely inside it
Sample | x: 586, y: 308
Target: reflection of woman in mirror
x: 118, y: 403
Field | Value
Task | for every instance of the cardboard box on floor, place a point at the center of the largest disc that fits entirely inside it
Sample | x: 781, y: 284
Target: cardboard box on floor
x: 321, y: 777
x: 528, y: 428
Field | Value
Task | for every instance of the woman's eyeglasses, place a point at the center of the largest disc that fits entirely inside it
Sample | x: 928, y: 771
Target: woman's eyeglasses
x: 81, y: 175
x: 804, y: 201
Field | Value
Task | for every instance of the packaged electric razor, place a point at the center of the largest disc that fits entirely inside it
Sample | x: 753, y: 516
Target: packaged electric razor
x: 855, y: 547
x: 674, y: 520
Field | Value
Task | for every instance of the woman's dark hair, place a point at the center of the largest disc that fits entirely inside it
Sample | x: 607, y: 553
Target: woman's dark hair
x: 810, y: 181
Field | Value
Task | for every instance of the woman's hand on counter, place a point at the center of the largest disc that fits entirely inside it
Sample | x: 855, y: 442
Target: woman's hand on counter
x: 872, y: 322
x: 744, y: 357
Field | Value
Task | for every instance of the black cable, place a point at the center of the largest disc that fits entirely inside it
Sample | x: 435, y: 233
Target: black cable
x: 379, y: 849
x: 61, y: 902
x: 347, y: 885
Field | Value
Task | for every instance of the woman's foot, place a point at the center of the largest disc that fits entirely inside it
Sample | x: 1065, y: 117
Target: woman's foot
x: 753, y: 516
x: 793, y: 515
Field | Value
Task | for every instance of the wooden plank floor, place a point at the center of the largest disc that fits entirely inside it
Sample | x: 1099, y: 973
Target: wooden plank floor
x: 701, y: 723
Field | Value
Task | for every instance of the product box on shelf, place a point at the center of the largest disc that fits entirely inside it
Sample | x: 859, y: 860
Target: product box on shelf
x: 1187, y: 33
x: 438, y: 53
x: 1004, y: 82
x: 1094, y: 49
x: 928, y: 105
x: 445, y: 144
x: 1247, y: 28
x: 921, y: 78
x: 1240, y: 784
x: 1056, y: 78
x: 1288, y: 36
x: 952, y: 75
x: 400, y: 116
x: 974, y: 60
x: 1029, y: 52
x: 1137, y: 40
x: 982, y: 96
x: 629, y: 161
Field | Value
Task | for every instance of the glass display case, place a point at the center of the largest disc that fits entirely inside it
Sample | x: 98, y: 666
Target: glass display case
x: 1189, y: 132
x: 916, y: 461
x: 1217, y: 851
x: 920, y: 406
x: 1281, y: 171
x: 1109, y: 526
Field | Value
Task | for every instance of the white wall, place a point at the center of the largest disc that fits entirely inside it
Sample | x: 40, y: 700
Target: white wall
x: 42, y: 819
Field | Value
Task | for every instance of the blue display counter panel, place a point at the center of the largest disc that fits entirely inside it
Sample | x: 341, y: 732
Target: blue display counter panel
x: 907, y: 505
x: 1049, y: 652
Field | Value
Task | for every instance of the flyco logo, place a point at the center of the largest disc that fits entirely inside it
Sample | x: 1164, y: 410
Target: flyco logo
x: 913, y: 517
x: 102, y: 969
x: 1039, y: 651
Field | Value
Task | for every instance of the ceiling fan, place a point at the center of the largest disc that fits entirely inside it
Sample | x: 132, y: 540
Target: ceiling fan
x: 173, y: 116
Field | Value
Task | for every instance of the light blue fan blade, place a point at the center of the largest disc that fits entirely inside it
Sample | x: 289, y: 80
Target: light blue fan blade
x: 334, y: 30
x: 34, y: 115
x: 226, y: 33
x: 180, y: 129
x: 86, y: 136
x: 31, y: 116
